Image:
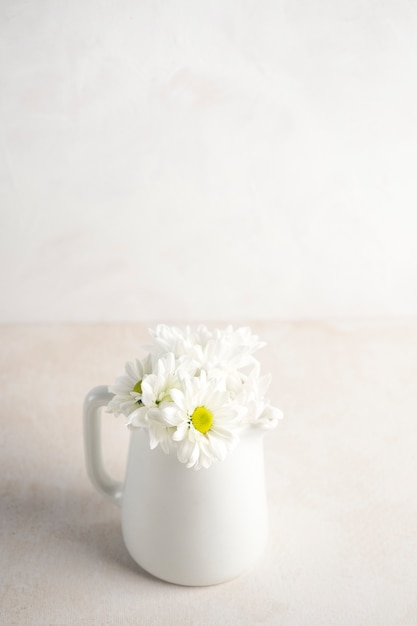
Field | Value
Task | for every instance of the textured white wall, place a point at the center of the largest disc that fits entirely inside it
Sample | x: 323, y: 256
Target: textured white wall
x: 207, y: 160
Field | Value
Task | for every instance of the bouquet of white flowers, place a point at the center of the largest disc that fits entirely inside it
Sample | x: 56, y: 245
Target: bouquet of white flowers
x: 196, y: 392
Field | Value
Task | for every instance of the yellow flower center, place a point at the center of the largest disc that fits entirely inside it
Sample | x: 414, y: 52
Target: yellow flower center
x: 138, y: 387
x: 202, y: 419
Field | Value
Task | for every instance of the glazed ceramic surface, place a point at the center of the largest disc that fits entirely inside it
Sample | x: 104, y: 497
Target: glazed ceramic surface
x: 184, y: 526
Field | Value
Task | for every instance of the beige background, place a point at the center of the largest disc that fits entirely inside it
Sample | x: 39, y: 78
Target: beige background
x: 341, y: 475
x: 220, y: 159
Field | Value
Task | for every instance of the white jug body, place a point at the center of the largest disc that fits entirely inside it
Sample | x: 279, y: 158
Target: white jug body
x: 185, y: 526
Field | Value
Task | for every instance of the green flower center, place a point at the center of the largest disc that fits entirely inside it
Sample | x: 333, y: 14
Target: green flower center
x: 138, y: 387
x: 202, y: 419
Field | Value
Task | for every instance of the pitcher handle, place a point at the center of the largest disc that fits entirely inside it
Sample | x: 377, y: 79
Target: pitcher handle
x: 94, y: 401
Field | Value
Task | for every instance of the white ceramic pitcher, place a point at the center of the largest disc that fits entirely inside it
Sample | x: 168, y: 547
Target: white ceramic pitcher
x: 184, y: 526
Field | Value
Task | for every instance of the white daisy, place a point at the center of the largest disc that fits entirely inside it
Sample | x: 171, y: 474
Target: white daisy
x: 172, y: 339
x: 211, y: 348
x: 156, y: 392
x: 225, y: 350
x: 128, y: 387
x: 259, y: 410
x: 156, y: 386
x: 268, y: 416
x: 206, y: 422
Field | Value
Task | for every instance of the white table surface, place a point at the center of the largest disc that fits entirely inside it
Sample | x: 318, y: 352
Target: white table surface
x: 341, y: 476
